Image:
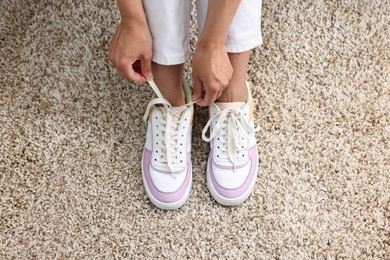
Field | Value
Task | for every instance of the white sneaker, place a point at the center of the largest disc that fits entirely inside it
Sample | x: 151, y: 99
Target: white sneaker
x: 166, y: 160
x: 233, y: 160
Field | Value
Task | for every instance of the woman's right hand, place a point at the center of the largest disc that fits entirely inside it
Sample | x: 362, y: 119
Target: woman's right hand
x: 130, y: 52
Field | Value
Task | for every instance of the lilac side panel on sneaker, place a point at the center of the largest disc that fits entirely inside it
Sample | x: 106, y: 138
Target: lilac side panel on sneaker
x: 235, y: 193
x: 165, y: 197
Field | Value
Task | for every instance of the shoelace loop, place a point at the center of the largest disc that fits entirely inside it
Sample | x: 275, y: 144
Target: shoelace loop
x: 230, y: 123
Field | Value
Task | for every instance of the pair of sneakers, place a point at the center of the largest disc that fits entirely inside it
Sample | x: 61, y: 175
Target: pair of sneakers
x: 166, y: 163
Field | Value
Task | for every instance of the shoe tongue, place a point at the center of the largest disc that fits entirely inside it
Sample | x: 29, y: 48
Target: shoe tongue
x: 229, y: 105
x: 178, y: 111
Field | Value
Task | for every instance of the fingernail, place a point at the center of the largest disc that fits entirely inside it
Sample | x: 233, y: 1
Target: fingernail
x: 149, y: 76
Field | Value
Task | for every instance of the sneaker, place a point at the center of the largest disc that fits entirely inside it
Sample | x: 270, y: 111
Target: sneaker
x: 166, y: 160
x: 233, y: 160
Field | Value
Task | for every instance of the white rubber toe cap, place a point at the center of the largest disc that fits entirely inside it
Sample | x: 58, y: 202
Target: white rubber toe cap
x: 167, y: 182
x: 229, y: 178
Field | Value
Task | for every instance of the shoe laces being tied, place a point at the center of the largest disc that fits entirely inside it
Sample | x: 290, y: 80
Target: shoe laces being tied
x: 233, y: 132
x: 168, y: 144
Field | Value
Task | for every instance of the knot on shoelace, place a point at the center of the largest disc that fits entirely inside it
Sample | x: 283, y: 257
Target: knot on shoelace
x: 170, y: 131
x: 233, y: 132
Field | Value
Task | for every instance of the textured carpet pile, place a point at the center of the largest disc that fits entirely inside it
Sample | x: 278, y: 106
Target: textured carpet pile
x: 71, y: 137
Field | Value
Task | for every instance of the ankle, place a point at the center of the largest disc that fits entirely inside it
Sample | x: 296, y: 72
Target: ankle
x: 169, y: 79
x: 176, y: 98
x: 235, y: 95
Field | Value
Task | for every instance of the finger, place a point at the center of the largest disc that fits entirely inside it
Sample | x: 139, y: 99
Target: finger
x: 146, y: 67
x: 198, y: 90
x: 125, y: 68
x: 137, y: 69
x: 217, y: 95
x: 207, y: 100
x: 132, y: 75
x: 212, y: 93
x: 137, y: 66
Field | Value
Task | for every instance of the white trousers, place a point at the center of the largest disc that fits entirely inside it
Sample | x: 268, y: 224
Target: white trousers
x: 169, y: 24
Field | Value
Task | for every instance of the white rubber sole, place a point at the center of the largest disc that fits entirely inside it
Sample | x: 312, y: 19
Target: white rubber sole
x: 162, y: 205
x: 230, y: 201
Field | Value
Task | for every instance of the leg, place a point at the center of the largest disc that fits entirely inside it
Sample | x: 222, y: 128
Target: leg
x: 233, y: 160
x: 169, y: 79
x: 166, y: 161
x: 244, y: 35
x: 169, y: 23
x: 237, y: 90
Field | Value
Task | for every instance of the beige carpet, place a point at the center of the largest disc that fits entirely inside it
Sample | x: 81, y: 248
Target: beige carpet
x: 71, y: 136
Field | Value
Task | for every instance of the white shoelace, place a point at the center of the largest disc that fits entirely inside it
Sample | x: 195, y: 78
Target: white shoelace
x: 233, y: 132
x: 168, y: 146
